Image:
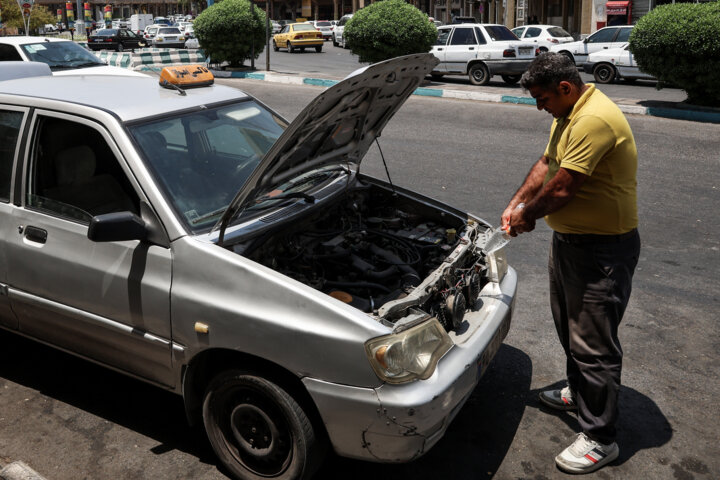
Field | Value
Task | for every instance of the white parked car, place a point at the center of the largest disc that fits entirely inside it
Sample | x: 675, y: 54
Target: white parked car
x: 614, y: 64
x: 603, y: 39
x: 169, y: 37
x: 62, y: 56
x: 481, y: 51
x: 544, y: 36
x: 325, y: 27
x: 338, y: 38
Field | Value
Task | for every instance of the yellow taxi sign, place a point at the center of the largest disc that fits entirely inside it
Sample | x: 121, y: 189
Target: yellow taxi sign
x: 186, y: 76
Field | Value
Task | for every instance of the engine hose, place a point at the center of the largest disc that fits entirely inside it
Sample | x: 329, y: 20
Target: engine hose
x: 409, y: 273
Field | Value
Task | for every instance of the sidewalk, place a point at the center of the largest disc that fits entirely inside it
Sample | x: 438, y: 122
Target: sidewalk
x: 495, y: 94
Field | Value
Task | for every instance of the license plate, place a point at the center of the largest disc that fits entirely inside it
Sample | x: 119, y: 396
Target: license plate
x: 98, y: 40
x: 525, y: 50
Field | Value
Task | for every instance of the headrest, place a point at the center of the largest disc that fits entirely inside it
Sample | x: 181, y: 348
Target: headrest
x: 74, y: 165
x: 155, y: 140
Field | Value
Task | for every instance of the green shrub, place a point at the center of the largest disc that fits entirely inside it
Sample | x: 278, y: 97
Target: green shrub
x: 387, y: 29
x: 680, y: 45
x: 12, y: 16
x: 227, y: 29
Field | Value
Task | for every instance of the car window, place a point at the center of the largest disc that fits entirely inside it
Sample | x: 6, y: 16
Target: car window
x: 499, y: 33
x: 518, y: 31
x: 443, y: 36
x: 303, y: 27
x: 463, y: 36
x: 10, y: 123
x: 323, y: 24
x: 480, y: 36
x: 74, y: 174
x: 623, y: 35
x: 59, y: 55
x: 532, y: 32
x: 201, y: 159
x: 169, y: 31
x: 9, y: 53
x: 285, y: 29
x: 110, y: 32
x: 601, y: 36
x: 558, y: 32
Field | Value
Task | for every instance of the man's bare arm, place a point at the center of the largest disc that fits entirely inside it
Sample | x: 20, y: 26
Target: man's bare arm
x: 528, y: 190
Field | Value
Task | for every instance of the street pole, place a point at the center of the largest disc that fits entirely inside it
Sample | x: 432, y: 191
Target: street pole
x: 267, y: 35
x: 252, y: 44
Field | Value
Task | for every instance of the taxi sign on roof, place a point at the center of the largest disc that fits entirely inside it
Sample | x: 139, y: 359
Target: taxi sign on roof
x: 186, y: 76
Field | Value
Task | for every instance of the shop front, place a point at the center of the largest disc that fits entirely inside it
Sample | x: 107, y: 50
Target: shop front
x: 619, y: 12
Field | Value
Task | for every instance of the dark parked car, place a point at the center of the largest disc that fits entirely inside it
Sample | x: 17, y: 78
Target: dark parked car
x: 115, y: 39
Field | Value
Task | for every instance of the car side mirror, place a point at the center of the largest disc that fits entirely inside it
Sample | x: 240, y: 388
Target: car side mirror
x: 117, y: 227
x: 586, y: 39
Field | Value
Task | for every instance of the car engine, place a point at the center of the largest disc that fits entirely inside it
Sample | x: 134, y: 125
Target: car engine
x: 375, y: 247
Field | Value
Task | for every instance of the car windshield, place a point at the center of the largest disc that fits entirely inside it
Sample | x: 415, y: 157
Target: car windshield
x: 302, y: 27
x: 558, y: 32
x: 60, y: 55
x: 201, y: 159
x: 499, y: 33
x: 169, y: 31
x: 108, y: 32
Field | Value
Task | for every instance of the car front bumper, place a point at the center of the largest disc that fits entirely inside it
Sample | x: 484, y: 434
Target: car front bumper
x: 588, y: 67
x: 398, y: 423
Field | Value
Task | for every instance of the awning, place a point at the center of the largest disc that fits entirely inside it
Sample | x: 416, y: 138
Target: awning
x: 617, y: 7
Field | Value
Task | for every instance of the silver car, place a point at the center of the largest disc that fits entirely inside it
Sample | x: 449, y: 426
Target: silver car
x: 195, y: 240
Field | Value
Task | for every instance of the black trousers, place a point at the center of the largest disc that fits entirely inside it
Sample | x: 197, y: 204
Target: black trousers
x: 590, y: 284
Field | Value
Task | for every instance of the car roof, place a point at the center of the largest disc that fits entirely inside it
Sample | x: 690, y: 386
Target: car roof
x: 25, y: 39
x: 453, y: 25
x: 148, y: 97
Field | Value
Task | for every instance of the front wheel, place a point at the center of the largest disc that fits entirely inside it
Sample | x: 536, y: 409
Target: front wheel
x: 511, y: 79
x: 291, y: 49
x: 120, y: 47
x: 479, y: 74
x: 604, y: 73
x: 275, y: 47
x: 257, y: 430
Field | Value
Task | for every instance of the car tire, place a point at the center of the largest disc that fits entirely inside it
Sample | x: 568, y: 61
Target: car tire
x: 436, y: 76
x: 604, y: 73
x: 302, y: 49
x: 120, y: 47
x: 335, y: 43
x: 291, y: 49
x: 258, y: 431
x: 511, y: 79
x: 318, y: 49
x: 569, y: 55
x: 479, y: 74
x: 275, y: 47
x: 543, y: 49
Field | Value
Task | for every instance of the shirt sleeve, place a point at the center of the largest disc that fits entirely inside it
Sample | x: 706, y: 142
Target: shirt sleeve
x: 589, y: 139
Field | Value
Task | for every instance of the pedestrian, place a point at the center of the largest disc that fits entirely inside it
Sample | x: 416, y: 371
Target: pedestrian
x: 585, y: 186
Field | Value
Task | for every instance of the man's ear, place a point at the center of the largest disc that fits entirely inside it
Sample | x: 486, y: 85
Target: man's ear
x: 565, y: 87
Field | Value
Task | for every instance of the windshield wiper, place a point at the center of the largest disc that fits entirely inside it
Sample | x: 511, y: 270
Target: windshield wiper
x: 89, y: 64
x: 307, y: 197
x: 209, y: 215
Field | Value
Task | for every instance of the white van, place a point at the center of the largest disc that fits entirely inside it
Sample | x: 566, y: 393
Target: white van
x: 338, y: 38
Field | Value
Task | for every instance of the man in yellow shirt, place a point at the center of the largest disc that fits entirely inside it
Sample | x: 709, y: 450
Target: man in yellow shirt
x: 585, y: 187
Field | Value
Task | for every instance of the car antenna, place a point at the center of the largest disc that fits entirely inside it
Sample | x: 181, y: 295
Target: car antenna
x: 387, y: 172
x: 167, y: 84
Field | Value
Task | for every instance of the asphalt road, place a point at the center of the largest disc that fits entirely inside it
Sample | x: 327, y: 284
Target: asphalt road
x: 69, y: 419
x: 338, y: 62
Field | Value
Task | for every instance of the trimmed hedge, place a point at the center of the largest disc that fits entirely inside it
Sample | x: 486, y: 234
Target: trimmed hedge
x: 680, y: 45
x: 226, y: 31
x: 388, y: 29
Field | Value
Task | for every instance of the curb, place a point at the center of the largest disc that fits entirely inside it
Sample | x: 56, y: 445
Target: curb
x: 19, y: 471
x: 671, y: 110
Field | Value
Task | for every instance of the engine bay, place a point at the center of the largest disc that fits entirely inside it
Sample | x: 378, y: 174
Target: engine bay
x: 374, y: 247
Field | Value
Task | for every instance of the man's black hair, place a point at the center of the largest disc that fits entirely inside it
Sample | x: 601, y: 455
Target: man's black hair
x: 548, y: 70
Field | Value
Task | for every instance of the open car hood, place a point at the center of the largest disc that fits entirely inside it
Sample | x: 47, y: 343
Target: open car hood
x: 337, y: 127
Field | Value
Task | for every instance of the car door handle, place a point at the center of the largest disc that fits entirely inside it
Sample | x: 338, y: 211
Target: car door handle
x: 439, y: 49
x: 35, y: 234
x: 471, y: 48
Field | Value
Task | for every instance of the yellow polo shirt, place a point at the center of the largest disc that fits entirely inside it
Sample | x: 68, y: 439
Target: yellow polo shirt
x: 595, y: 139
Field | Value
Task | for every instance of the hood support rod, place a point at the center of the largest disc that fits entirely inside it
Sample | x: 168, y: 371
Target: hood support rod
x: 387, y: 172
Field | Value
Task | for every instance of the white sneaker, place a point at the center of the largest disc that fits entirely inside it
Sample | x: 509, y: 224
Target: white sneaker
x: 586, y: 455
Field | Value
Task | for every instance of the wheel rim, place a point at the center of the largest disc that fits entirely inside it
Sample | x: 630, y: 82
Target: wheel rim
x: 254, y: 431
x: 604, y: 74
x: 478, y: 74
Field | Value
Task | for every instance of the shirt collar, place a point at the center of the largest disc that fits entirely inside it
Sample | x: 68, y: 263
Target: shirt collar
x: 581, y: 101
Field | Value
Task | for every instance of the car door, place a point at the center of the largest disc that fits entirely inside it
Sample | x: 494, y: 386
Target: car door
x: 600, y: 40
x: 440, y: 47
x: 462, y: 47
x: 283, y: 36
x: 12, y: 121
x: 107, y: 301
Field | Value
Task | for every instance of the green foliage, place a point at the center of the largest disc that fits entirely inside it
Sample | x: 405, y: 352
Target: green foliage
x: 12, y: 16
x: 387, y: 29
x: 226, y: 31
x: 679, y: 44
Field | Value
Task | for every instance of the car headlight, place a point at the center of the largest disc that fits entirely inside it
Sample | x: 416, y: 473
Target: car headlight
x: 408, y: 355
x: 497, y: 265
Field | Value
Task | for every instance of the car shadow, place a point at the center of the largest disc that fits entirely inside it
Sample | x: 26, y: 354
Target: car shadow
x: 477, y: 440
x: 641, y: 425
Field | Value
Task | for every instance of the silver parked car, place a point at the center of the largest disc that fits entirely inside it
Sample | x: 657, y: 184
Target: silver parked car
x: 196, y: 240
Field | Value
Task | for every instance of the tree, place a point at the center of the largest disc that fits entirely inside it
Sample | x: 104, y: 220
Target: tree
x: 12, y: 16
x: 387, y: 29
x: 227, y: 31
x: 678, y: 44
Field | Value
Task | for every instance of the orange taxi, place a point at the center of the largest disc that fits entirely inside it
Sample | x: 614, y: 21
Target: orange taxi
x: 298, y: 36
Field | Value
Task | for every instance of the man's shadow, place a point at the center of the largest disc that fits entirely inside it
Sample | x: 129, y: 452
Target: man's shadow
x: 641, y: 423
